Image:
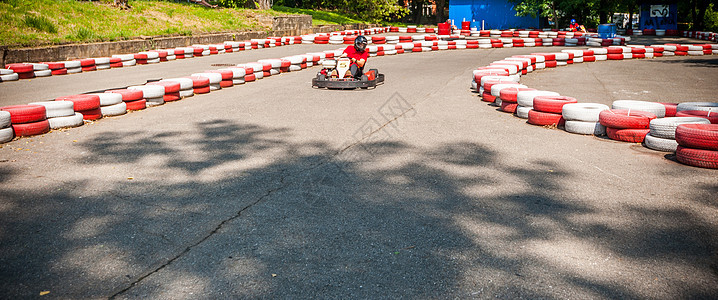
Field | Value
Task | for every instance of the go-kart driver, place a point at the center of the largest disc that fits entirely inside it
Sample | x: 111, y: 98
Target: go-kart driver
x: 358, y: 56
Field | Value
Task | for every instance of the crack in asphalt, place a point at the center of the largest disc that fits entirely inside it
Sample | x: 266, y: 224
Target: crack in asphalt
x: 283, y: 185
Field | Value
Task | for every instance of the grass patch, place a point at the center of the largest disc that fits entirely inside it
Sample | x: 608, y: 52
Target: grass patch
x: 42, y: 22
x: 319, y: 17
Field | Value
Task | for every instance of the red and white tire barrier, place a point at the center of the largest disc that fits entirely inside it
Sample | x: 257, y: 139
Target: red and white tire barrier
x: 652, y: 107
x: 153, y: 94
x: 698, y: 145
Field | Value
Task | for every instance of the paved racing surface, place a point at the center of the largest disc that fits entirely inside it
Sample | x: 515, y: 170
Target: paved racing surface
x: 415, y: 189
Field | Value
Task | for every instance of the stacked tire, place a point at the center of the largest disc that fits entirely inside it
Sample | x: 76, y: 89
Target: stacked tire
x: 707, y: 110
x: 153, y: 94
x: 186, y: 85
x: 662, y: 135
x: 698, y: 145
x: 132, y: 98
x: 6, y: 132
x: 85, y: 104
x: 8, y: 75
x: 172, y: 89
x: 547, y: 110
x: 26, y: 120
x: 525, y: 101
x: 583, y: 118
x: 61, y: 114
x: 24, y: 71
x: 626, y: 125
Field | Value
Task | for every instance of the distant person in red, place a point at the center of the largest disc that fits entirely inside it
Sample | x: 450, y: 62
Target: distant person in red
x: 576, y: 27
x: 358, y: 56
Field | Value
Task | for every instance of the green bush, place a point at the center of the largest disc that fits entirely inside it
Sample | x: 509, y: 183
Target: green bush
x: 40, y: 23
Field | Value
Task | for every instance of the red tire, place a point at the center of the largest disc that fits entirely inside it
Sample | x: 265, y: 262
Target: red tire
x: 136, y: 104
x: 614, y: 50
x: 590, y: 58
x: 20, y: 114
x: 169, y: 97
x: 266, y: 73
x: 28, y: 75
x: 199, y: 81
x: 20, y: 68
x: 670, y: 108
x: 545, y: 119
x: 711, y: 116
x: 116, y: 65
x: 170, y: 86
x: 487, y: 97
x: 59, y: 72
x: 698, y: 136
x: 250, y: 77
x: 87, y: 62
x: 627, y: 135
x: 697, y: 157
x: 615, y: 56
x: 89, y: 69
x: 509, y: 94
x: 29, y: 129
x: 552, y: 104
x: 128, y: 95
x: 621, y: 119
x: 91, y: 114
x: 201, y: 90
x: 55, y: 65
x: 508, y: 107
x: 551, y: 63
x: 226, y: 83
x: 82, y: 102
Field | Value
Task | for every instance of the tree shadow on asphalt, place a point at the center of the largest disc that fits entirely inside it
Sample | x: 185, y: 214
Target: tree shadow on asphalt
x: 379, y: 220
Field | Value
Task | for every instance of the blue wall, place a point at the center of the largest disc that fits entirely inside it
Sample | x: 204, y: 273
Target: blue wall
x: 497, y: 14
x: 670, y: 22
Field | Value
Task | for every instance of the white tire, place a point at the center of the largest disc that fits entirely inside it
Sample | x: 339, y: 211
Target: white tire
x: 589, y: 128
x: 109, y: 98
x: 214, y: 87
x: 6, y: 71
x: 74, y: 120
x: 540, y: 65
x: 6, y: 135
x: 238, y: 81
x: 9, y: 77
x: 114, y: 110
x: 294, y: 68
x: 150, y: 91
x: 666, y: 127
x: 601, y: 57
x: 123, y: 57
x: 274, y: 72
x: 599, y: 51
x: 55, y: 109
x: 259, y: 75
x: 660, y: 144
x: 43, y: 73
x: 127, y: 63
x: 526, y: 98
x: 153, y: 61
x: 496, y: 88
x: 506, y: 79
x: 74, y: 70
x: 523, y: 111
x: 102, y: 61
x: 39, y: 67
x: 102, y: 66
x: 585, y: 112
x: 155, y: 101
x: 705, y: 106
x: 186, y: 93
x: 72, y: 64
x: 652, y: 107
x: 5, y: 119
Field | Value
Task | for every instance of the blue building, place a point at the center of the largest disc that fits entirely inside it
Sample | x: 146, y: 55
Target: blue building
x: 496, y: 14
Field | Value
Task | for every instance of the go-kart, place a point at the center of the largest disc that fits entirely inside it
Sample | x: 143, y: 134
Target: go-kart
x: 367, y: 80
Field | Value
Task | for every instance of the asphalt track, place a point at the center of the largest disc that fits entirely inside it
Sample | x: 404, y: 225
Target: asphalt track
x: 415, y: 189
